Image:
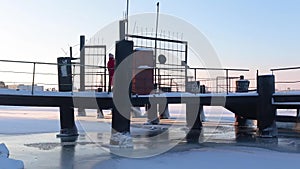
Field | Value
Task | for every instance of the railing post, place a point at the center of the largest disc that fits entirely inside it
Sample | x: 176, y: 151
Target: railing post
x: 195, y: 74
x: 217, y: 85
x: 105, y: 61
x: 81, y: 111
x: 33, y: 76
x: 227, y: 81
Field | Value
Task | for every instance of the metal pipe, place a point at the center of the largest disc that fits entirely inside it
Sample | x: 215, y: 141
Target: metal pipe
x: 33, y: 76
x: 287, y: 68
x: 18, y: 61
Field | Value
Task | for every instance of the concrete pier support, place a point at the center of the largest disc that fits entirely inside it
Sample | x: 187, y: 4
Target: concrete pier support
x: 266, y: 112
x: 240, y: 121
x: 100, y: 114
x: 194, y: 122
x: 81, y: 112
x: 67, y: 122
x: 193, y: 113
x: 163, y: 111
x: 136, y: 112
x: 152, y: 117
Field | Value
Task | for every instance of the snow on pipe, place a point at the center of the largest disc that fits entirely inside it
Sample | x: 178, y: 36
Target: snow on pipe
x: 6, y: 162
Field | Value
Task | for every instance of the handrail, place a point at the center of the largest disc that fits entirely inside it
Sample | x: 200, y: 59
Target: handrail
x: 291, y: 82
x: 224, y: 69
x: 48, y: 63
x: 34, y: 72
x: 286, y: 68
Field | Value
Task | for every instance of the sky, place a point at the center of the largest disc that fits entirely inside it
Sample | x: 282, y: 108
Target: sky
x: 252, y: 34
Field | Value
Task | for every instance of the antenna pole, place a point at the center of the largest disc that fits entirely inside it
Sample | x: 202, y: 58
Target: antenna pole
x: 157, y: 17
x: 127, y: 21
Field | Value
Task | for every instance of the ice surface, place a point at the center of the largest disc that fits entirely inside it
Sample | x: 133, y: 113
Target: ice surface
x: 212, y: 158
x: 25, y: 120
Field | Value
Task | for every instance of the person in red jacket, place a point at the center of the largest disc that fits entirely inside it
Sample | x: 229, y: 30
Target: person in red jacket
x: 111, y: 70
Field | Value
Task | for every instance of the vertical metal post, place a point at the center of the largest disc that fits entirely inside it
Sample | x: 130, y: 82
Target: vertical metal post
x: 82, y: 63
x: 121, y: 97
x: 127, y: 18
x: 227, y: 82
x: 81, y: 111
x: 186, y: 66
x: 217, y: 85
x: 33, y: 78
x: 105, y: 69
x: 159, y: 79
x: 195, y: 74
x: 122, y: 32
x: 71, y: 52
x: 155, y: 42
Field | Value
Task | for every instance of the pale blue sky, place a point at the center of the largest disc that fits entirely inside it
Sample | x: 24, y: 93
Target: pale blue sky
x: 255, y: 34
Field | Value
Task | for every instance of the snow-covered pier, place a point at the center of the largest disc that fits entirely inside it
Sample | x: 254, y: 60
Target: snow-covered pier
x: 260, y: 105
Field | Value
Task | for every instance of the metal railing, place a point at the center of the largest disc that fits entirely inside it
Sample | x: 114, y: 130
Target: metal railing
x: 227, y: 78
x: 33, y: 76
x: 28, y: 74
x: 45, y: 74
x: 290, y: 81
x: 221, y: 83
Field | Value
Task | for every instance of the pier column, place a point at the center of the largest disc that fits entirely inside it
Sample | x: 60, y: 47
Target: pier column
x: 152, y: 117
x: 193, y: 113
x: 122, y: 88
x: 242, y: 86
x: 163, y: 111
x: 193, y: 118
x: 266, y: 112
x: 67, y: 122
x: 136, y: 112
x: 100, y: 114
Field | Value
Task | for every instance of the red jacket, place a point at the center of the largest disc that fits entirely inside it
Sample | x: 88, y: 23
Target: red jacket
x: 111, y: 66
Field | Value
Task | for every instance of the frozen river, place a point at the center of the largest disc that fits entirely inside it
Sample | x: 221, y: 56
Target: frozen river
x: 30, y: 135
